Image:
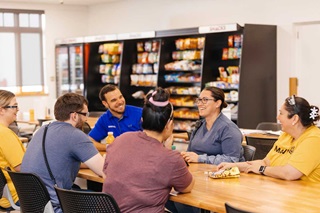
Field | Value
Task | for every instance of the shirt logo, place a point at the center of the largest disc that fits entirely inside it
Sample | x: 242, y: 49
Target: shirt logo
x: 283, y: 151
x: 112, y: 126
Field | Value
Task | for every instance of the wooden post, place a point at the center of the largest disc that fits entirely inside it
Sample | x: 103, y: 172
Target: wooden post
x: 293, y: 86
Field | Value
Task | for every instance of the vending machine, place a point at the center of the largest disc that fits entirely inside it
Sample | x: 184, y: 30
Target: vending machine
x: 69, y: 66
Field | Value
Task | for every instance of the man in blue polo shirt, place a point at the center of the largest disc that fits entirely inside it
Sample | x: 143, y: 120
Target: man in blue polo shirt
x: 119, y: 118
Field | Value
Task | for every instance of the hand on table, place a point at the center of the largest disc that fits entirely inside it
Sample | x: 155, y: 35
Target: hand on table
x: 190, y: 157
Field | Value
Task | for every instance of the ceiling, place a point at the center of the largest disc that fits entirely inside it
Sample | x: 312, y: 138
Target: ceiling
x: 66, y: 2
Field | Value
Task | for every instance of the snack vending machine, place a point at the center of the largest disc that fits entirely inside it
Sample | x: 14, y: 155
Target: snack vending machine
x: 69, y: 66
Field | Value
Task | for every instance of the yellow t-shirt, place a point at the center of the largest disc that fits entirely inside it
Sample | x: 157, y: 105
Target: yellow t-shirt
x: 302, y: 154
x: 11, y: 154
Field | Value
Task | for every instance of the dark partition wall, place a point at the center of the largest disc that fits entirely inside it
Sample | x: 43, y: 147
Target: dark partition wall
x: 258, y: 76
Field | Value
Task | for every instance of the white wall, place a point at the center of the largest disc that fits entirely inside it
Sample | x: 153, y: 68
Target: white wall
x: 144, y: 15
x: 61, y: 22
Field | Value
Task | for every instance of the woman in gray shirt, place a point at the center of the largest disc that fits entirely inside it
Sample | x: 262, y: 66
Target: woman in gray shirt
x: 216, y: 139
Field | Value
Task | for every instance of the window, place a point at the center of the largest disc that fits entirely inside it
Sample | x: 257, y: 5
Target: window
x: 21, y: 51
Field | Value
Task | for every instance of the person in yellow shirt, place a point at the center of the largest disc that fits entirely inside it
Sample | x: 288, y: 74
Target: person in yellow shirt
x: 295, y: 155
x: 11, y: 148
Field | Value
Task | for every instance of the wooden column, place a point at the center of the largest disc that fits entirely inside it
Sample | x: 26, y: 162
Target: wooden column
x: 293, y: 86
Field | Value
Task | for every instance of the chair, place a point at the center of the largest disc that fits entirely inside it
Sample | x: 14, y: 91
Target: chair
x: 262, y: 145
x: 269, y: 126
x: 83, y: 201
x: 248, y: 152
x: 33, y: 194
x: 5, y: 193
x: 86, y: 128
x: 231, y: 209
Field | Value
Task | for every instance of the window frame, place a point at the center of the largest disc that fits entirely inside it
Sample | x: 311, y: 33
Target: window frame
x: 17, y: 30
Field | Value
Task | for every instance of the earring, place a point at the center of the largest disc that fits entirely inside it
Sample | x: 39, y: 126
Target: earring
x: 293, y: 123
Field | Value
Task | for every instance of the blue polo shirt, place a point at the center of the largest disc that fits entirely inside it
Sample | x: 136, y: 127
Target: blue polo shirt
x: 130, y: 122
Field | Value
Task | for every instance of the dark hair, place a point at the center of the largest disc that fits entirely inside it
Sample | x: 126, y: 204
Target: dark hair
x: 155, y: 117
x: 106, y: 89
x: 68, y: 103
x: 5, y: 97
x: 217, y: 94
x: 301, y: 107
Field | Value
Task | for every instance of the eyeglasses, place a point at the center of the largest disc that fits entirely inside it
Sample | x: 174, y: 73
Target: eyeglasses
x: 204, y: 100
x: 291, y: 101
x: 83, y: 113
x: 12, y: 107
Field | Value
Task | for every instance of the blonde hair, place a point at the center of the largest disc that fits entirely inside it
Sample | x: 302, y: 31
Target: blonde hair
x: 5, y: 97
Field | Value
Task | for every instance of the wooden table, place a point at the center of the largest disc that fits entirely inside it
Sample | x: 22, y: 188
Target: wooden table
x: 251, y: 192
x: 92, y: 121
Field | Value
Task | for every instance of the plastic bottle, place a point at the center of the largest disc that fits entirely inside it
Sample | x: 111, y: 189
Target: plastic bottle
x: 110, y: 138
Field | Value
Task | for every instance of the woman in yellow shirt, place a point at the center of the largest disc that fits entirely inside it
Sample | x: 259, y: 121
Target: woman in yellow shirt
x: 11, y: 148
x: 295, y: 155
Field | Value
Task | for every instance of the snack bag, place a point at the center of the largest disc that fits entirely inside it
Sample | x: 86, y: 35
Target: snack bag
x: 232, y: 172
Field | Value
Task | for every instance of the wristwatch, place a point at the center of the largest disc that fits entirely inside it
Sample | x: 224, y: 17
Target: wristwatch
x: 261, y: 169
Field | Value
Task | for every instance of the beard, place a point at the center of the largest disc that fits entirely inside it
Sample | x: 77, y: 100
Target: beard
x: 79, y: 124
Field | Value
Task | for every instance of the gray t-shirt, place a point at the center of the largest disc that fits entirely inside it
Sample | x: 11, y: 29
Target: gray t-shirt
x: 222, y: 143
x: 66, y: 147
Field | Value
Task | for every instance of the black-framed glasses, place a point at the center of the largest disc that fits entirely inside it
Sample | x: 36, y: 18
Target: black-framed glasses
x: 83, y: 113
x: 204, y: 100
x: 291, y: 101
x: 12, y: 107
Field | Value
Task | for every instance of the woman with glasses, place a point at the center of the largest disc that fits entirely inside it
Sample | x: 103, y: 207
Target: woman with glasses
x: 140, y: 171
x: 295, y: 155
x: 216, y: 138
x: 12, y: 150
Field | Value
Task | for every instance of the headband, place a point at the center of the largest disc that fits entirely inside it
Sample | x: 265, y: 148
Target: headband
x: 157, y: 103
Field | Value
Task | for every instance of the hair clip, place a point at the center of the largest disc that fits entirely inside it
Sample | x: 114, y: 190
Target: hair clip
x: 314, y: 113
x: 291, y: 100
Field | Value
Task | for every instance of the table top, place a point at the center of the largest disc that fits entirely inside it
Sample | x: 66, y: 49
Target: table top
x: 251, y: 192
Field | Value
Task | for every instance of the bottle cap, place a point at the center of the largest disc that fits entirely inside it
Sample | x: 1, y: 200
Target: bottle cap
x: 110, y: 133
x: 173, y: 147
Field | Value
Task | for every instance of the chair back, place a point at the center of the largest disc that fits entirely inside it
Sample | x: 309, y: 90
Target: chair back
x: 83, y: 201
x: 248, y: 152
x: 14, y: 127
x: 5, y: 193
x: 86, y: 128
x: 269, y: 126
x: 262, y: 145
x: 33, y: 194
x: 232, y: 209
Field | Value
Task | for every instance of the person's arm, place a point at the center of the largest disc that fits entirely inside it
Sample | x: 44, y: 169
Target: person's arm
x: 286, y: 172
x: 99, y: 146
x: 17, y: 168
x: 189, y: 188
x: 96, y: 164
x: 243, y: 166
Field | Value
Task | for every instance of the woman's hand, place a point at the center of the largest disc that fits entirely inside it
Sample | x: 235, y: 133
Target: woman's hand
x: 190, y: 157
x: 253, y: 167
x: 225, y: 165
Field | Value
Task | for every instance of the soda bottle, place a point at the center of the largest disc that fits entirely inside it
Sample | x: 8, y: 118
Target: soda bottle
x: 110, y: 138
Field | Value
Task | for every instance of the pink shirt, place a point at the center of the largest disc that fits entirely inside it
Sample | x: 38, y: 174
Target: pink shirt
x: 140, y: 173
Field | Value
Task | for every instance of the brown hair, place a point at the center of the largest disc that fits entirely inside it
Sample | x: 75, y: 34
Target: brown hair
x: 301, y: 107
x: 68, y: 103
x: 106, y: 89
x: 217, y: 94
